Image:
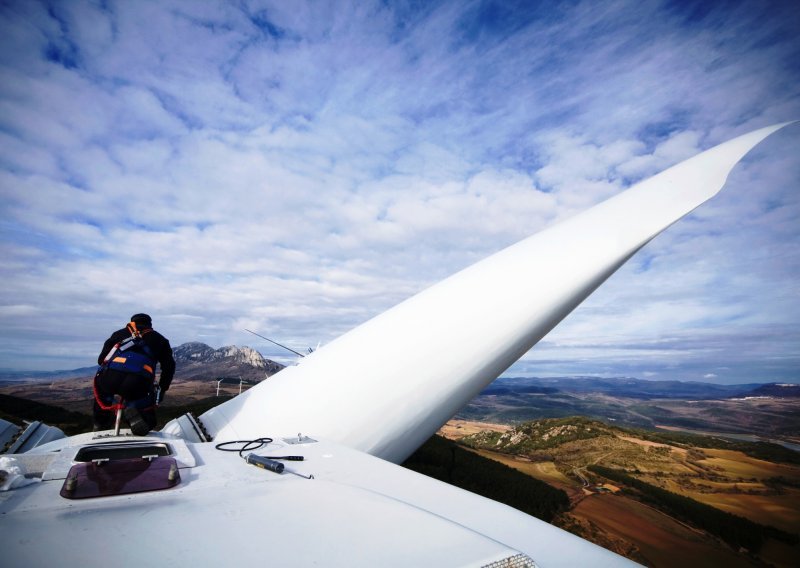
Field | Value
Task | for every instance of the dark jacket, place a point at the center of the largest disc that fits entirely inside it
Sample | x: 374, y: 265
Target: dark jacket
x: 158, y: 344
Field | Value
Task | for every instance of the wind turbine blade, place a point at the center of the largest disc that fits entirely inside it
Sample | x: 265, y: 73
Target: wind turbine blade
x: 390, y: 383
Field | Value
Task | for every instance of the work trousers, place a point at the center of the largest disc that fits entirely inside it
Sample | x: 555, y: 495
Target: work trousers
x: 137, y: 391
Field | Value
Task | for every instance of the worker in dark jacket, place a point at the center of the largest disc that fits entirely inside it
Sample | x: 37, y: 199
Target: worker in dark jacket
x: 127, y: 368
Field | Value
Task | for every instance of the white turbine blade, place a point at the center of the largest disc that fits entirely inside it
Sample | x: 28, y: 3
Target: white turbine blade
x: 390, y: 383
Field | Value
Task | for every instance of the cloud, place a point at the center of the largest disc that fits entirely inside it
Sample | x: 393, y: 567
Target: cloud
x: 298, y: 169
x: 676, y: 148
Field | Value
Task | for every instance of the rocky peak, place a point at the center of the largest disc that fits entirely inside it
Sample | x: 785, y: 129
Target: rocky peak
x: 245, y: 355
x: 197, y: 360
x: 192, y: 351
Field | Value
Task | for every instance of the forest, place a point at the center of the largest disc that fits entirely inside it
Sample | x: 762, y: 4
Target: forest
x: 447, y: 461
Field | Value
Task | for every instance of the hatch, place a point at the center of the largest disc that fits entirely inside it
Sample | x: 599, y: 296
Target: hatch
x: 120, y: 469
x: 104, y: 477
x: 113, y: 452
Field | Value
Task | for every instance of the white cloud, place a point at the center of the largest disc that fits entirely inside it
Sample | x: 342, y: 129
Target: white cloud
x: 299, y: 168
x: 675, y: 149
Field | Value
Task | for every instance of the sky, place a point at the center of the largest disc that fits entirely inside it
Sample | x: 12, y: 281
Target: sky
x: 297, y: 168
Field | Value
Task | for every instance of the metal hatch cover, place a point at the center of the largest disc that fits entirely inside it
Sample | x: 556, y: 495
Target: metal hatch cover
x: 120, y: 477
x: 120, y: 451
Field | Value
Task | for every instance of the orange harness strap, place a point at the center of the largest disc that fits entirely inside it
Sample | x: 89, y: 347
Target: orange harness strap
x: 113, y: 407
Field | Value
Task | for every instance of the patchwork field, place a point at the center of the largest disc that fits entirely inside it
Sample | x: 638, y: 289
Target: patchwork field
x: 559, y: 452
x: 758, y: 490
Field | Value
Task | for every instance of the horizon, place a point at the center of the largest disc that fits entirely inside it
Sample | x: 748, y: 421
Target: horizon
x: 299, y: 169
x: 287, y: 362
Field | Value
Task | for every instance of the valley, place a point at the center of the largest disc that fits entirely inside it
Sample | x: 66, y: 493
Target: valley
x: 747, y: 410
x: 76, y: 394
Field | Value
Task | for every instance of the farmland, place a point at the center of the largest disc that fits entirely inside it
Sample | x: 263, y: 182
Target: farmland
x: 565, y: 453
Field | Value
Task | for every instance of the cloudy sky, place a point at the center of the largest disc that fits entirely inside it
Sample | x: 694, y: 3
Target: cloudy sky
x: 296, y: 169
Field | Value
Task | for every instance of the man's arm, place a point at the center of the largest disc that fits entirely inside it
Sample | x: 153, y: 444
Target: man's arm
x: 167, y: 362
x: 115, y: 338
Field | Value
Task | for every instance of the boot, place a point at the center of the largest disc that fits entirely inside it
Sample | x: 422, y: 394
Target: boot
x: 138, y: 425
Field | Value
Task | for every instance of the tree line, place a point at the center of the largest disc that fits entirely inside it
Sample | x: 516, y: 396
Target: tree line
x: 736, y: 531
x: 446, y: 461
x: 766, y: 451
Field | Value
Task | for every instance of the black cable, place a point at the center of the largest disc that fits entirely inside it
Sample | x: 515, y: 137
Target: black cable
x: 248, y: 445
x: 252, y: 445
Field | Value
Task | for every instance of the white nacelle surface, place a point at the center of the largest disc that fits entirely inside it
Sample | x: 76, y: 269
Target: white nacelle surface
x: 357, y: 511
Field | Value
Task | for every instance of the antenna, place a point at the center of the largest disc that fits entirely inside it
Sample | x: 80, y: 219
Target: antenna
x: 275, y: 342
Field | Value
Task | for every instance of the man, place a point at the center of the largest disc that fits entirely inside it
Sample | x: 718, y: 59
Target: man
x: 127, y: 368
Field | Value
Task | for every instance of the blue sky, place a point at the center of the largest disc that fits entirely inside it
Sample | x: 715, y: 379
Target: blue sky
x: 296, y: 168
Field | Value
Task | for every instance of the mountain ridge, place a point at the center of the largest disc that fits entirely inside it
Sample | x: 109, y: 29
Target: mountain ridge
x: 192, y: 353
x: 194, y: 361
x: 768, y: 410
x: 626, y: 386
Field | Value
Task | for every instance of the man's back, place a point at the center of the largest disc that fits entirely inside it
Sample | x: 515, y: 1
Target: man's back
x: 159, y: 347
x: 128, y: 363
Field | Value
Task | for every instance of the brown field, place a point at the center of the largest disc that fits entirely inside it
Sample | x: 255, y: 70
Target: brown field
x: 775, y: 553
x: 660, y: 540
x: 782, y: 511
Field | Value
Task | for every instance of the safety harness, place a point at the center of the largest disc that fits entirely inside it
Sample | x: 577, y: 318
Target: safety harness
x: 131, y: 355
